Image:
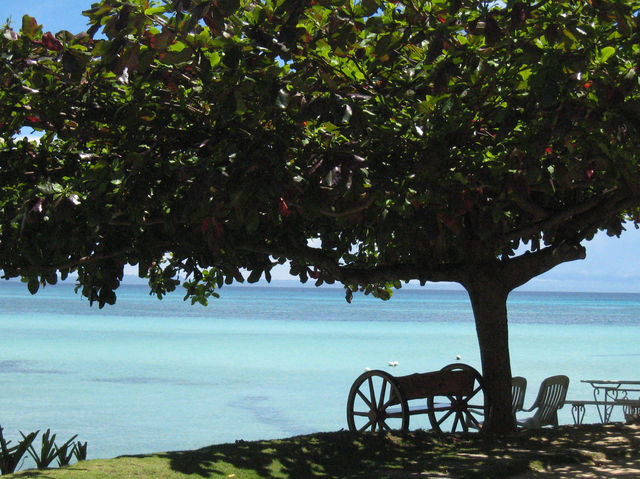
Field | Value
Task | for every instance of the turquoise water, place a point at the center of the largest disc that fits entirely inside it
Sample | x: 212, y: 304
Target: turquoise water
x: 148, y: 375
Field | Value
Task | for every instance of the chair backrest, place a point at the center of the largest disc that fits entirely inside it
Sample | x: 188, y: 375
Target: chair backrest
x: 551, y: 396
x: 518, y: 390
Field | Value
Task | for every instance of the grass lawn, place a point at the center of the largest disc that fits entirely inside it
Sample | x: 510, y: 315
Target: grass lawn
x: 350, y: 455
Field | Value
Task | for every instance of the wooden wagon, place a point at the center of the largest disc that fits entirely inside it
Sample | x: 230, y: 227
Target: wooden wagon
x: 452, y: 398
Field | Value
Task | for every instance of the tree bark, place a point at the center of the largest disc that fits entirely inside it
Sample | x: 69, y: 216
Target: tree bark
x: 489, y: 302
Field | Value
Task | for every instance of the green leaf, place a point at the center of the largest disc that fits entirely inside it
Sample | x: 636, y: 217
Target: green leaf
x: 154, y: 10
x: 525, y: 74
x: 570, y: 35
x: 606, y: 53
x: 71, y: 65
x: 33, y: 285
x: 383, y: 46
x: 214, y: 59
x: 368, y: 7
x: 177, y: 57
x: 254, y: 276
x: 252, y: 223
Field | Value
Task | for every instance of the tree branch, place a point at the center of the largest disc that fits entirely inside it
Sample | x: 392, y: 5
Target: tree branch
x: 349, y: 212
x: 580, y: 221
x: 563, y: 216
x: 402, y: 272
x: 330, y: 268
x: 517, y: 271
x: 586, y: 222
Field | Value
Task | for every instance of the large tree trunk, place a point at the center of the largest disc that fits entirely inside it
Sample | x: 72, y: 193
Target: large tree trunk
x: 489, y: 301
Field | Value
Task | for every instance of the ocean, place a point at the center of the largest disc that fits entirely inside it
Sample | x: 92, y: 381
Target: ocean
x: 268, y: 362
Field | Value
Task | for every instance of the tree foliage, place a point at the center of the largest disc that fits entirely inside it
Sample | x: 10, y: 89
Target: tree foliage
x: 367, y: 142
x: 407, y: 138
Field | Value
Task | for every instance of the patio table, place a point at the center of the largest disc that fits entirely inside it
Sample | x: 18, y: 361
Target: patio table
x: 610, y: 393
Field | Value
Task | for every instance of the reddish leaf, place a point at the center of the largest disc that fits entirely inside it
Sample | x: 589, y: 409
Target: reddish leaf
x: 50, y: 42
x: 29, y: 26
x: 161, y: 41
x: 284, y: 208
x: 218, y: 228
x: 130, y: 59
x: 169, y: 81
x: 466, y: 204
x: 212, y: 24
x: 204, y: 226
x: 122, y: 20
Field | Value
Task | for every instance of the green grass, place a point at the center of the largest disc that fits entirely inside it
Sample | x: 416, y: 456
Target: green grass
x: 342, y: 455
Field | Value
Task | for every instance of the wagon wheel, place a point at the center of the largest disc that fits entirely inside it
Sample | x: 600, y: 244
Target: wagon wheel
x: 376, y: 403
x: 460, y: 411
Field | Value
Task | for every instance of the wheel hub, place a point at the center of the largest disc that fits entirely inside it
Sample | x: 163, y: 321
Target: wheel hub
x: 458, y: 405
x: 376, y: 415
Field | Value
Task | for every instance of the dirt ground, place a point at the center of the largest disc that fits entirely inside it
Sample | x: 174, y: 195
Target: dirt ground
x: 617, y: 457
x: 616, y: 469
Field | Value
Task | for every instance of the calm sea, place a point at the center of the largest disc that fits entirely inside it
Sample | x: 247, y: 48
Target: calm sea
x: 268, y: 362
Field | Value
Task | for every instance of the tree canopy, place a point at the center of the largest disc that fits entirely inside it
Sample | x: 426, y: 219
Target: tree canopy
x: 365, y: 143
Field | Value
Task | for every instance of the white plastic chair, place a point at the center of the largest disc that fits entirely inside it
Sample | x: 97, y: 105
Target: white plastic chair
x: 518, y: 390
x: 551, y: 396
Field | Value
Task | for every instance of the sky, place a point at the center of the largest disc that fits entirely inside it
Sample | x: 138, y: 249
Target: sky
x: 612, y: 264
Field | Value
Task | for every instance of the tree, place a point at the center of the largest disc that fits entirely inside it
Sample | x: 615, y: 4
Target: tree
x: 367, y: 143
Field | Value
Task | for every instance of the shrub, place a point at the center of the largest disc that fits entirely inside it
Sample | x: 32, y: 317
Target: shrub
x: 47, y: 451
x: 10, y: 456
x: 80, y: 451
x: 65, y: 453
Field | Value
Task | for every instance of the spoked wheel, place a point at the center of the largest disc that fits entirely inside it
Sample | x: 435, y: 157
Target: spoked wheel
x: 376, y: 404
x: 458, y: 411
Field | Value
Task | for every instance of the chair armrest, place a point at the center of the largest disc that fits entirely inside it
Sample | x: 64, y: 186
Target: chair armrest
x: 529, y: 410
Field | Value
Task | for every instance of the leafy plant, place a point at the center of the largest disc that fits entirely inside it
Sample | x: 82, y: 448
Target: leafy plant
x: 10, y: 456
x: 48, y: 451
x: 427, y: 141
x: 80, y: 451
x: 65, y: 453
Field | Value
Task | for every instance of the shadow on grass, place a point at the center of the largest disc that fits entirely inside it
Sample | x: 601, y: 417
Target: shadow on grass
x: 355, y: 455
x: 344, y: 455
x: 52, y: 473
